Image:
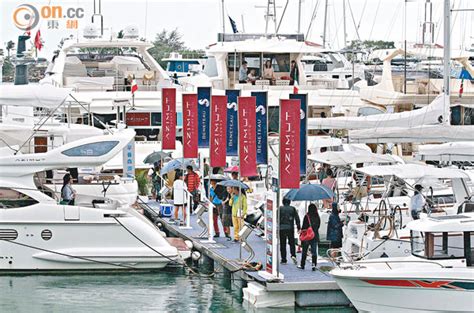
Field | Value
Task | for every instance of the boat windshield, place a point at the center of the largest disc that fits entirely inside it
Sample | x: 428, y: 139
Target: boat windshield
x: 438, y: 245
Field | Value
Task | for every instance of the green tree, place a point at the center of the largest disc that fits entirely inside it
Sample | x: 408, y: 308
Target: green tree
x: 10, y: 46
x: 370, y: 44
x: 171, y: 41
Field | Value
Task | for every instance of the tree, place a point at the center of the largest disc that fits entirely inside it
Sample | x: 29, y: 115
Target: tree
x: 171, y: 41
x: 10, y: 46
x: 370, y: 45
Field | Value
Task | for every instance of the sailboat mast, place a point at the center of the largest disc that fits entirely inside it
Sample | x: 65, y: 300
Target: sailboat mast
x: 325, y: 23
x: 447, y: 59
x: 344, y: 22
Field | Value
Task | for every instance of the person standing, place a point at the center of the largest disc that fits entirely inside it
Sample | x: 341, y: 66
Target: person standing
x: 268, y: 72
x: 68, y: 194
x: 155, y: 179
x: 192, y: 182
x: 288, y: 219
x: 334, y: 230
x: 330, y: 183
x: 217, y: 207
x: 294, y: 73
x: 226, y: 217
x: 243, y: 73
x: 239, y: 210
x: 179, y: 195
x: 417, y: 202
x: 311, y: 219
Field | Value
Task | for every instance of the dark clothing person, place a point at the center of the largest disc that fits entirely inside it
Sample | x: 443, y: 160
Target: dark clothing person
x: 294, y: 73
x: 334, y: 230
x: 313, y: 220
x: 288, y: 219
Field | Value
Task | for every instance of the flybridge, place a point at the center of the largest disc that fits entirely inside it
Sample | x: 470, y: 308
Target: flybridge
x: 221, y: 37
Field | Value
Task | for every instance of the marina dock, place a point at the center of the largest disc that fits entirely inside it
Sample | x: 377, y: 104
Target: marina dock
x: 303, y: 288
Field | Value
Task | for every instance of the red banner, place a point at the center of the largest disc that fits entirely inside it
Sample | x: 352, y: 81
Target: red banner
x: 289, y: 143
x: 218, y: 131
x: 247, y: 136
x: 190, y: 126
x: 168, y: 118
x: 137, y: 119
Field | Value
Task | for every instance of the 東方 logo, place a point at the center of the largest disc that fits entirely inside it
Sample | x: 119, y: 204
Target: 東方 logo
x: 26, y: 17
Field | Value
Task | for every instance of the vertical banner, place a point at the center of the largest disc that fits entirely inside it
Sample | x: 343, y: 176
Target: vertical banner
x: 262, y: 126
x: 289, y: 143
x: 247, y: 132
x: 269, y: 236
x: 303, y: 129
x: 232, y: 127
x: 168, y: 118
x: 204, y: 102
x: 128, y: 159
x: 190, y: 126
x: 218, y: 131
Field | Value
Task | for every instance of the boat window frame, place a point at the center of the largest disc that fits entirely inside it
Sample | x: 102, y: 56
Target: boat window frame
x: 24, y: 197
x: 445, y: 237
x: 103, y: 149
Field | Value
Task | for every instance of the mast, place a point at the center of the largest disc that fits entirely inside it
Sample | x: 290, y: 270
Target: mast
x: 344, y: 22
x: 325, y: 23
x: 223, y: 23
x: 447, y: 58
x: 299, y: 16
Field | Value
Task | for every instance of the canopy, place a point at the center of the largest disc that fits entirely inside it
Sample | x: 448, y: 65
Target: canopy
x: 265, y: 45
x: 342, y: 158
x: 452, y: 151
x: 450, y: 223
x: 46, y: 95
x: 423, y: 133
x: 413, y: 171
x: 427, y: 115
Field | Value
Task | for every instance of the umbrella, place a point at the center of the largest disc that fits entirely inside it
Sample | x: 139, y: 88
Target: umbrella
x: 217, y: 177
x: 465, y: 75
x: 233, y: 183
x: 170, y: 166
x: 157, y: 156
x: 309, y: 192
x: 231, y: 169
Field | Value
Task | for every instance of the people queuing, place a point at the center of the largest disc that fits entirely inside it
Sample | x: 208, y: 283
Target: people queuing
x: 239, y: 210
x: 217, y: 207
x: 192, y: 181
x: 313, y: 221
x: 179, y: 196
x: 288, y: 220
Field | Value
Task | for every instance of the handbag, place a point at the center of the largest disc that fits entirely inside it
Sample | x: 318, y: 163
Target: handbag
x: 308, y: 233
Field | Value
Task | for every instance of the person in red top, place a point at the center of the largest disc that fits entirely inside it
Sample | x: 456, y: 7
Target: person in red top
x: 192, y: 181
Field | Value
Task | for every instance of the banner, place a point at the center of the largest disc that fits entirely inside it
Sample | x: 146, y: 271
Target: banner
x: 190, y: 126
x: 262, y: 126
x: 218, y: 131
x: 289, y: 143
x: 204, y: 102
x: 128, y: 159
x: 303, y: 129
x: 247, y: 132
x: 168, y: 118
x: 232, y: 127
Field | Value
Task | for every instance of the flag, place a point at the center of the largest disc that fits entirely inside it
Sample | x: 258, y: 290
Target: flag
x: 190, y: 125
x: 247, y: 134
x: 289, y: 143
x: 134, y: 86
x: 232, y: 127
x: 38, y: 43
x: 218, y: 131
x: 168, y: 118
x: 262, y: 126
x: 295, y: 89
x: 204, y: 102
x: 233, y: 24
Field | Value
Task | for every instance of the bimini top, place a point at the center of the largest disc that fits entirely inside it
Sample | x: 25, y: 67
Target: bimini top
x: 45, y: 96
x: 343, y: 158
x: 447, y: 223
x: 451, y: 151
x: 413, y: 171
x: 265, y: 45
x: 88, y: 152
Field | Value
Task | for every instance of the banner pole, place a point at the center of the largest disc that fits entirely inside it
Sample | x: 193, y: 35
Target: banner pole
x: 277, y: 206
x: 211, y: 209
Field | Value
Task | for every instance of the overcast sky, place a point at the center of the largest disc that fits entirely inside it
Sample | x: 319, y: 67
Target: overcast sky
x: 200, y: 20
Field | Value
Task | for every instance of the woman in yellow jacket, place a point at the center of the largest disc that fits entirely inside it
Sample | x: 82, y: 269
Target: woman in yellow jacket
x: 239, y: 209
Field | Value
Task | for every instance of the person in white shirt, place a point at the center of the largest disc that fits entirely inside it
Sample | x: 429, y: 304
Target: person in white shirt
x: 417, y: 202
x: 179, y: 195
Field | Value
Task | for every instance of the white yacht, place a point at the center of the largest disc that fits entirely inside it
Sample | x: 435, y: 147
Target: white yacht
x: 37, y: 233
x: 437, y: 277
x: 178, y: 67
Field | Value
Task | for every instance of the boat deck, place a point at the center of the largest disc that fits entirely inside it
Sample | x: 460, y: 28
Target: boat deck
x: 230, y: 256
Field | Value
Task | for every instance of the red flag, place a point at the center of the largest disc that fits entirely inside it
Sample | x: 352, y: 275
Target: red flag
x: 289, y: 143
x: 134, y: 86
x: 295, y: 89
x: 168, y: 118
x: 461, y: 88
x: 218, y: 131
x: 38, y: 43
x: 190, y: 126
x: 247, y: 136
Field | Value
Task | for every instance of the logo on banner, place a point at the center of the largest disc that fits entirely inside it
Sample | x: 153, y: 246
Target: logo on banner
x: 168, y: 118
x: 190, y: 126
x: 204, y: 101
x: 289, y: 143
x: 218, y: 131
x: 262, y: 127
x: 303, y: 146
x: 232, y: 127
x: 247, y: 134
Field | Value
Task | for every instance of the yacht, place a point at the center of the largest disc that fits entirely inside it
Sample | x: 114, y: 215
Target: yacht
x: 177, y: 66
x: 37, y: 233
x: 437, y: 277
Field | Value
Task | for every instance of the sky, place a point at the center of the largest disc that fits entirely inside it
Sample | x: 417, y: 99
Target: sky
x: 200, y: 20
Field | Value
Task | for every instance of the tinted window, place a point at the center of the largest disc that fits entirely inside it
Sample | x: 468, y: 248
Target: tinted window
x: 10, y: 199
x: 91, y: 149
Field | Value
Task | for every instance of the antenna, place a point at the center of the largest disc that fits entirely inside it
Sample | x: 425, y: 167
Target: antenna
x: 98, y: 13
x: 428, y: 25
x: 270, y: 14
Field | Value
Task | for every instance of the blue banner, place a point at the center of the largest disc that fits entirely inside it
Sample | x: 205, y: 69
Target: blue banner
x: 303, y: 129
x: 232, y: 125
x: 204, y: 116
x: 261, y: 119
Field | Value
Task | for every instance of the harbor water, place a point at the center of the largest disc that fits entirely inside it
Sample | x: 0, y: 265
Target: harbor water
x: 169, y: 290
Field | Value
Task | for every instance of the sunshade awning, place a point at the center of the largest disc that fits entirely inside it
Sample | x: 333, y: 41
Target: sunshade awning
x: 413, y: 171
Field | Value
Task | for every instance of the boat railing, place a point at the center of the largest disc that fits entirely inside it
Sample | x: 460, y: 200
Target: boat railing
x: 388, y: 262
